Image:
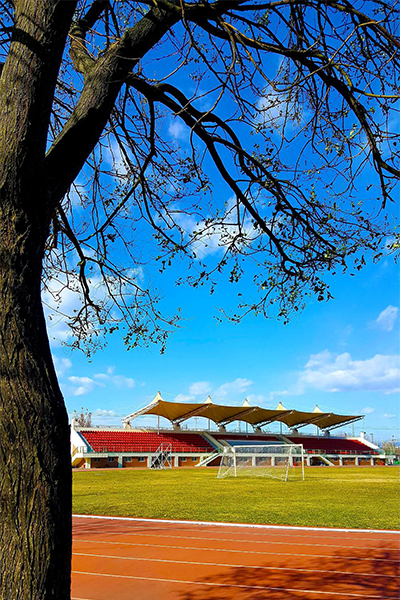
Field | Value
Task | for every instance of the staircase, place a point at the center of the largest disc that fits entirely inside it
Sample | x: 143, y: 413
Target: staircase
x: 207, y: 459
x: 325, y: 459
x: 78, y: 453
x: 162, y: 458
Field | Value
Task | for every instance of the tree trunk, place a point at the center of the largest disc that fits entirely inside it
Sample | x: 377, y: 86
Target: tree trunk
x: 35, y: 468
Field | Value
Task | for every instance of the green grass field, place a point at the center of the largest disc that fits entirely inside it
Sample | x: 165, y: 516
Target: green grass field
x: 365, y: 497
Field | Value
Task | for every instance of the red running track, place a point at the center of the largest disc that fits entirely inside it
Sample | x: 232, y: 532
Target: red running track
x: 129, y: 559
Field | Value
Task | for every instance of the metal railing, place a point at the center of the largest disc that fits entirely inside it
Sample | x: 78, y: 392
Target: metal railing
x: 340, y: 452
x: 132, y: 449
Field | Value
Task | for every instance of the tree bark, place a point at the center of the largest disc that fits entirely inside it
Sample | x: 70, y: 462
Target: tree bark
x: 35, y: 468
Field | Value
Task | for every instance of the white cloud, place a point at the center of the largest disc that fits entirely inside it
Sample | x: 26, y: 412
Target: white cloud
x: 177, y: 130
x: 230, y: 388
x: 216, y: 238
x: 280, y: 111
x: 100, y: 412
x: 85, y: 380
x: 238, y: 386
x: 330, y: 373
x: 120, y: 381
x: 62, y: 301
x: 367, y: 410
x: 67, y: 302
x: 200, y: 388
x: 258, y: 400
x: 85, y: 385
x: 75, y: 195
x: 387, y: 318
x: 208, y: 238
x: 340, y: 373
x: 106, y: 417
x: 395, y: 391
x: 183, y: 398
x: 389, y: 416
x: 61, y: 365
x: 114, y: 159
x: 81, y: 391
x: 273, y: 108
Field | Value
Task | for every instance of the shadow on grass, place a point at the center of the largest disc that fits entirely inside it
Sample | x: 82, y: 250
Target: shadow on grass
x: 340, y: 577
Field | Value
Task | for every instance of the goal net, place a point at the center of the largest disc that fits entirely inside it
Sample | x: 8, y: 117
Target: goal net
x: 280, y: 461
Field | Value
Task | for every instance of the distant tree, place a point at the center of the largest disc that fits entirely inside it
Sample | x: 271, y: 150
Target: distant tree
x: 288, y: 104
x: 82, y: 418
x: 389, y: 448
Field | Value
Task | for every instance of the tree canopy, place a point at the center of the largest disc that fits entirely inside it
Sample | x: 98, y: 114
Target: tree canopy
x: 264, y: 129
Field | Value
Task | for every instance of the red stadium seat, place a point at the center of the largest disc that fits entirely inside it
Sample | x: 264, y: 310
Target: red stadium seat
x: 128, y: 441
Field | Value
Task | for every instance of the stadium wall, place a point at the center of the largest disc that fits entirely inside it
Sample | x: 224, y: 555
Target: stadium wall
x: 85, y: 456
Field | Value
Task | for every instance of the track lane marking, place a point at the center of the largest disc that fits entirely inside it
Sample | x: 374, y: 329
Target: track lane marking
x: 212, y: 539
x: 253, y: 533
x: 211, y: 564
x: 245, y: 525
x: 234, y: 585
x: 239, y: 551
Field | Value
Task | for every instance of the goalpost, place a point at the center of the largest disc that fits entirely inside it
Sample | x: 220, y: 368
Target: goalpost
x: 280, y: 461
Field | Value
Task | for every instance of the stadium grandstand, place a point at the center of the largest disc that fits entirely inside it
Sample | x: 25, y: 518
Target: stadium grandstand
x: 133, y: 447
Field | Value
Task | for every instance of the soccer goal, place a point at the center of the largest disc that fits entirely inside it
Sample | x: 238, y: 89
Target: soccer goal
x: 280, y: 461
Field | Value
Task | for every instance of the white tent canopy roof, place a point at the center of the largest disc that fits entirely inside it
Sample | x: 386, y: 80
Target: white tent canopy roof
x: 177, y: 412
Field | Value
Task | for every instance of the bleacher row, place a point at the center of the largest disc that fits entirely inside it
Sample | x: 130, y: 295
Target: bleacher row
x: 316, y: 445
x: 247, y: 438
x: 144, y: 441
x: 332, y: 445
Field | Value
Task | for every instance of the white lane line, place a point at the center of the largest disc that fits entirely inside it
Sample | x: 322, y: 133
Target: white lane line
x: 212, y: 564
x: 219, y: 539
x: 331, y: 557
x: 234, y: 585
x: 248, y: 533
x: 246, y: 525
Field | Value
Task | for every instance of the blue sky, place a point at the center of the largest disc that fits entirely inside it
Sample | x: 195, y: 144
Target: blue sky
x: 342, y: 355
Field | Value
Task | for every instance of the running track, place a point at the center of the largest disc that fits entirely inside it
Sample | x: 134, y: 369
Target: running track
x: 133, y: 559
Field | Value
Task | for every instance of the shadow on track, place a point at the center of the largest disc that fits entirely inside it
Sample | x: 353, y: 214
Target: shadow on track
x: 373, y: 579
